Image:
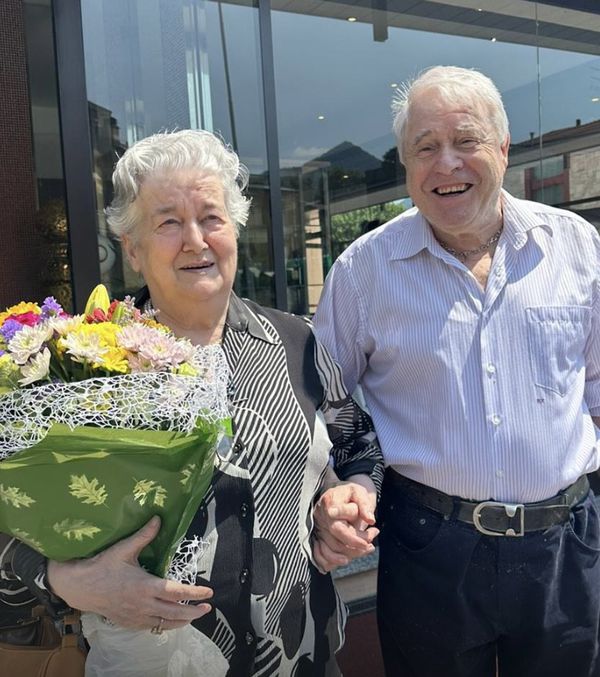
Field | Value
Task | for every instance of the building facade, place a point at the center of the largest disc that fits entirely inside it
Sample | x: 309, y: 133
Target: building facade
x: 300, y: 88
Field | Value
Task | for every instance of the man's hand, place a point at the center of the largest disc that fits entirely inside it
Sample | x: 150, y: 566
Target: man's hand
x: 114, y: 585
x: 344, y: 515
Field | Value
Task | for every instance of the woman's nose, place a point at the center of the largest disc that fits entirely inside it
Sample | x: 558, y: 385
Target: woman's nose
x: 193, y: 237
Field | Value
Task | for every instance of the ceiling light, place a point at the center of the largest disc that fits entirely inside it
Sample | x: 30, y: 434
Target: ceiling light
x: 596, y: 99
x: 479, y: 9
x: 493, y: 39
x: 345, y: 176
x: 394, y: 85
x: 351, y: 19
x: 320, y: 117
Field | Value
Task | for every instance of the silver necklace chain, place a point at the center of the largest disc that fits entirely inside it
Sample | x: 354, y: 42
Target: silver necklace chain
x: 470, y: 252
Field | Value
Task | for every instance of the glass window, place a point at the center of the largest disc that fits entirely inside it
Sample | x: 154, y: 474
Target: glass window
x: 54, y: 268
x: 337, y: 66
x: 155, y: 65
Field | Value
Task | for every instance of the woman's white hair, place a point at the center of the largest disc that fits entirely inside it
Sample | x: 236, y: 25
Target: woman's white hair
x: 172, y: 151
x: 456, y: 85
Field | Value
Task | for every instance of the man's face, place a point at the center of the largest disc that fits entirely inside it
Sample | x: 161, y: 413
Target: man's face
x: 454, y: 165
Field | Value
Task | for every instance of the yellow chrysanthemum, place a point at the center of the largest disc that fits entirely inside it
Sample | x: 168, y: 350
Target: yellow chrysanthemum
x: 19, y: 309
x: 106, y: 332
x: 114, y: 360
x: 186, y: 369
x: 157, y: 325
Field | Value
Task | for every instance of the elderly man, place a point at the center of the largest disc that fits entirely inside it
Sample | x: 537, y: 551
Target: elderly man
x: 472, y: 324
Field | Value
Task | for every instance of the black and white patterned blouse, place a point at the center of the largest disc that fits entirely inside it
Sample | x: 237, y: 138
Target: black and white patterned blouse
x: 274, y: 613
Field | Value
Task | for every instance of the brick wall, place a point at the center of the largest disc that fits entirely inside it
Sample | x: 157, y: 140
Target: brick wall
x: 20, y: 247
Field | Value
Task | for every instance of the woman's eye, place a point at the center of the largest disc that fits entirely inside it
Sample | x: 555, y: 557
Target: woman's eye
x: 168, y: 223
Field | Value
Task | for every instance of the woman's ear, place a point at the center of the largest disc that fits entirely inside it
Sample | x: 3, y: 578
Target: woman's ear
x: 130, y: 249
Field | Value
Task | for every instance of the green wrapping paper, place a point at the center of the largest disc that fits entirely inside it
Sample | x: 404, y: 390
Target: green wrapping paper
x: 79, y: 491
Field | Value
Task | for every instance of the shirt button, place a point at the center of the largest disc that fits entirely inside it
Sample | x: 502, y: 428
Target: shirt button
x: 244, y: 509
x: 490, y: 368
x: 249, y: 637
x: 238, y: 447
x: 499, y: 473
x: 244, y: 573
x: 495, y: 419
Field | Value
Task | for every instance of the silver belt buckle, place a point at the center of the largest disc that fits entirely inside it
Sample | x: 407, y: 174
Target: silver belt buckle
x: 511, y: 509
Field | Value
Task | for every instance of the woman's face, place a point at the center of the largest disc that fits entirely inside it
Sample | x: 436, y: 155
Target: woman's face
x: 185, y: 243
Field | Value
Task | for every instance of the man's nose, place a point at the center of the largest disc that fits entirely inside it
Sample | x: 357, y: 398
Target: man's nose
x: 448, y: 160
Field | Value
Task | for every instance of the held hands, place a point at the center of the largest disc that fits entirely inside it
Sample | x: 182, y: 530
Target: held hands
x: 114, y: 585
x: 344, y: 515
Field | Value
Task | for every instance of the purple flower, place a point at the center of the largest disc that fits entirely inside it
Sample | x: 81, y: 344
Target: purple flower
x: 9, y: 329
x: 51, y: 307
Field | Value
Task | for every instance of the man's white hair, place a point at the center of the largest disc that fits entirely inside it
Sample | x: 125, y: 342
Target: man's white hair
x: 455, y: 85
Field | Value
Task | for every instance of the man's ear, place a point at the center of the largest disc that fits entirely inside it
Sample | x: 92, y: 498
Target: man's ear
x: 131, y: 251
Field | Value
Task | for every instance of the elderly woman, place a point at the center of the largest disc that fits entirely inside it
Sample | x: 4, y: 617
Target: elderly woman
x: 260, y: 597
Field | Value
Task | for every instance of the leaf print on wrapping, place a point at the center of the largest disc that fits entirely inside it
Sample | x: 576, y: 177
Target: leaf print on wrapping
x: 187, y: 473
x: 88, y: 490
x: 143, y: 489
x: 12, y: 496
x: 76, y: 529
x: 27, y: 538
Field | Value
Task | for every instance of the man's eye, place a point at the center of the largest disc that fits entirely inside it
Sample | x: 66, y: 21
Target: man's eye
x: 468, y: 142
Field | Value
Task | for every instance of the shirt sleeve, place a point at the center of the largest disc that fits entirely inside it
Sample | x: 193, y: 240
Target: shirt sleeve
x: 355, y: 448
x: 23, y: 581
x: 339, y: 323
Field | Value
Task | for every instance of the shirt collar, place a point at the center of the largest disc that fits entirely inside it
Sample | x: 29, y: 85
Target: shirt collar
x: 242, y: 319
x: 519, y: 219
x: 413, y: 232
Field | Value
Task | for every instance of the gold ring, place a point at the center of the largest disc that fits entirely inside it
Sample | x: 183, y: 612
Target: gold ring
x: 158, y: 628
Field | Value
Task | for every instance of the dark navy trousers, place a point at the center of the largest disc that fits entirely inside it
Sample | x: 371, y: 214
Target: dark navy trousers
x: 452, y: 602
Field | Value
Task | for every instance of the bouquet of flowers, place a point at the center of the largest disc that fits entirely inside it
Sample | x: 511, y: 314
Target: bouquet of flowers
x: 106, y: 419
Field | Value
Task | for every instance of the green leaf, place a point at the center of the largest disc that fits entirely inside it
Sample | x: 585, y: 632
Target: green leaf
x: 27, y: 538
x: 12, y: 496
x: 76, y: 529
x: 88, y: 491
x: 187, y: 473
x: 143, y: 490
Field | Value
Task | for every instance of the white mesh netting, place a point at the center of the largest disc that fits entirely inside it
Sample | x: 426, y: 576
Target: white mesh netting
x: 150, y: 401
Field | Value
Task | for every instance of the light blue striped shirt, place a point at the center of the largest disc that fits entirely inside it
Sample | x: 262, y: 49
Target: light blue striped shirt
x: 481, y: 394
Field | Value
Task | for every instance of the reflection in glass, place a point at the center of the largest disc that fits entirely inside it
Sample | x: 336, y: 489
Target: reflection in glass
x: 337, y: 153
x: 50, y: 218
x: 154, y: 65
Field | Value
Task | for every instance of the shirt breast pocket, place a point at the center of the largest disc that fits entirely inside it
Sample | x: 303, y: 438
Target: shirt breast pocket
x: 557, y: 336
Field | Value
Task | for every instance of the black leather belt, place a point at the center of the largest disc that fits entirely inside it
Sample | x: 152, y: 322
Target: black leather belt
x: 494, y: 518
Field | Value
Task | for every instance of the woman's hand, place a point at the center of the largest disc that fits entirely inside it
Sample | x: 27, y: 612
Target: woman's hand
x: 344, y: 515
x: 114, y: 585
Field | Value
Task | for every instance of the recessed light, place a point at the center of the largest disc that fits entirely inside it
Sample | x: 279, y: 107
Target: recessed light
x: 493, y: 39
x: 351, y: 19
x: 345, y: 176
x: 394, y: 85
x: 320, y: 117
x: 596, y: 99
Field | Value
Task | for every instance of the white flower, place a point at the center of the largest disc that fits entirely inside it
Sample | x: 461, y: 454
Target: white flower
x: 36, y: 369
x: 28, y: 341
x: 84, y: 347
x: 64, y: 325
